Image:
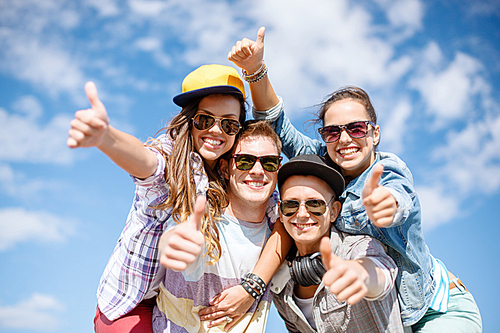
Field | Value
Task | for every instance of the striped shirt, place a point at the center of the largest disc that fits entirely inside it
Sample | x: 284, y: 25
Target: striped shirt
x: 439, y: 302
x: 131, y: 270
x: 183, y: 294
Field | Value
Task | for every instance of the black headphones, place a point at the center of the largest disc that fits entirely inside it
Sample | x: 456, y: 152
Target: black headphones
x: 306, y: 270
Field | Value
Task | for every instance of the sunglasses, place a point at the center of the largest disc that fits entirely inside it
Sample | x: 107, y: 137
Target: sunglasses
x: 356, y: 130
x: 245, y: 162
x: 203, y: 121
x: 314, y: 206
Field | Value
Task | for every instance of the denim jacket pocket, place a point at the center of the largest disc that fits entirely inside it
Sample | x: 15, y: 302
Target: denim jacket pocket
x: 354, y: 220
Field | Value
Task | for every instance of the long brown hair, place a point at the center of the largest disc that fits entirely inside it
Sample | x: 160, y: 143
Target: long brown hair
x: 179, y: 176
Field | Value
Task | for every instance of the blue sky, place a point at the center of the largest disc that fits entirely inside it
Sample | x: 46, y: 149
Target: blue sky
x: 432, y: 69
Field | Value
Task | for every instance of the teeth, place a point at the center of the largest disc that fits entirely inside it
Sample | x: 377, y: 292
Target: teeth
x: 256, y: 184
x: 348, y: 151
x: 213, y: 142
x: 303, y: 226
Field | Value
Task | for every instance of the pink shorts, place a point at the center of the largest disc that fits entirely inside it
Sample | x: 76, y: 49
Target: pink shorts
x: 139, y: 320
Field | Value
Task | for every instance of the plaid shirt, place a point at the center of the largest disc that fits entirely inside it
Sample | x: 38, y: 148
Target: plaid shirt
x: 331, y: 315
x: 134, y: 263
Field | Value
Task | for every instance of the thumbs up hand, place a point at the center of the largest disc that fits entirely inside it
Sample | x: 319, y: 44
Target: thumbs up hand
x: 180, y: 246
x: 248, y: 54
x: 345, y: 278
x: 380, y: 204
x: 90, y: 126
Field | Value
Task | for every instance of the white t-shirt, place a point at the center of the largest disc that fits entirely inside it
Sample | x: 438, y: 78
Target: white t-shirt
x: 183, y: 294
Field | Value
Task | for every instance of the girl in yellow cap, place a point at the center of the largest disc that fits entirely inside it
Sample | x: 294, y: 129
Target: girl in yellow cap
x: 169, y: 172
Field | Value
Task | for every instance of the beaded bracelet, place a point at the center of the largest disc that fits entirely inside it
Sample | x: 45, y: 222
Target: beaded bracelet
x: 257, y: 75
x: 258, y: 78
x: 261, y: 68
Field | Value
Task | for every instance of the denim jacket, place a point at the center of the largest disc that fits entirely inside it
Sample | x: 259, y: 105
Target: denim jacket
x: 404, y: 238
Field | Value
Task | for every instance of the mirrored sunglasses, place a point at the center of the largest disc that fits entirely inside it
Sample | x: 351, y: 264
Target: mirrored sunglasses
x: 314, y: 206
x: 356, y: 130
x: 203, y: 121
x: 245, y: 162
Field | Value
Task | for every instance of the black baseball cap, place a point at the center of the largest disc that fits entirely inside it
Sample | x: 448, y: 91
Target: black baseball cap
x: 313, y: 165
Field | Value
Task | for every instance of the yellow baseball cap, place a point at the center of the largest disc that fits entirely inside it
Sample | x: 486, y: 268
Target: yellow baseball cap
x: 208, y: 80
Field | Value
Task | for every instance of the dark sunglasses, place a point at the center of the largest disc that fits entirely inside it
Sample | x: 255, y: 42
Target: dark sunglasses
x: 203, y: 121
x: 356, y: 130
x: 245, y: 162
x: 314, y: 206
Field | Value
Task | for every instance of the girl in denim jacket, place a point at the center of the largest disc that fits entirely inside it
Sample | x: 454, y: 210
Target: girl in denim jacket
x: 379, y: 199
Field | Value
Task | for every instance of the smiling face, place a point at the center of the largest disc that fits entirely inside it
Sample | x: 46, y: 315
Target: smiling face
x: 352, y: 155
x: 305, y: 228
x: 213, y: 142
x: 249, y: 190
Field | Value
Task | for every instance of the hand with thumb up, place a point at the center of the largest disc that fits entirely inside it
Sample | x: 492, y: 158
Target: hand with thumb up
x: 380, y: 204
x: 89, y: 127
x: 180, y: 246
x: 248, y: 54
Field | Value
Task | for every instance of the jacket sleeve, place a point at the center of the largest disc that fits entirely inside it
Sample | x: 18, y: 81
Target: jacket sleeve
x: 294, y: 142
x: 398, y: 180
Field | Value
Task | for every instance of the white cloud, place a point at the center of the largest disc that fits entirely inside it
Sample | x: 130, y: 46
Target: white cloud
x: 46, y: 65
x: 148, y: 44
x: 448, y: 93
x: 406, y: 13
x: 154, y: 45
x: 38, y: 313
x: 25, y: 139
x: 36, y: 50
x: 105, y: 8
x: 19, y: 225
x: 148, y: 8
x: 348, y: 49
x: 438, y: 206
x: 469, y: 163
x: 29, y: 105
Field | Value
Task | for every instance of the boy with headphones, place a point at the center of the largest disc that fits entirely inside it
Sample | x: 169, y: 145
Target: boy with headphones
x: 331, y: 281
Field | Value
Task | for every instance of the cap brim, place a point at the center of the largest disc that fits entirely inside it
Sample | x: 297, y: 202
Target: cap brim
x: 311, y: 168
x: 183, y: 99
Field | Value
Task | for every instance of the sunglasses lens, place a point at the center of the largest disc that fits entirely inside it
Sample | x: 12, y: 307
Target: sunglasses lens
x: 316, y: 207
x: 289, y: 207
x: 230, y: 126
x: 270, y: 163
x: 203, y: 121
x: 357, y: 130
x: 330, y: 133
x: 245, y: 162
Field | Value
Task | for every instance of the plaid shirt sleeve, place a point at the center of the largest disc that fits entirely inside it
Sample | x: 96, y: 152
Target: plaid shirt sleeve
x: 135, y: 261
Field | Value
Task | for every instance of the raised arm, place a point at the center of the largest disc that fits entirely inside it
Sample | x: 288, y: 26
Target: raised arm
x: 249, y: 56
x: 91, y: 128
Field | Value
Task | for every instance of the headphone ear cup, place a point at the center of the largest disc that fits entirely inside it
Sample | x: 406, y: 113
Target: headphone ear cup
x: 308, y: 271
x: 318, y: 267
